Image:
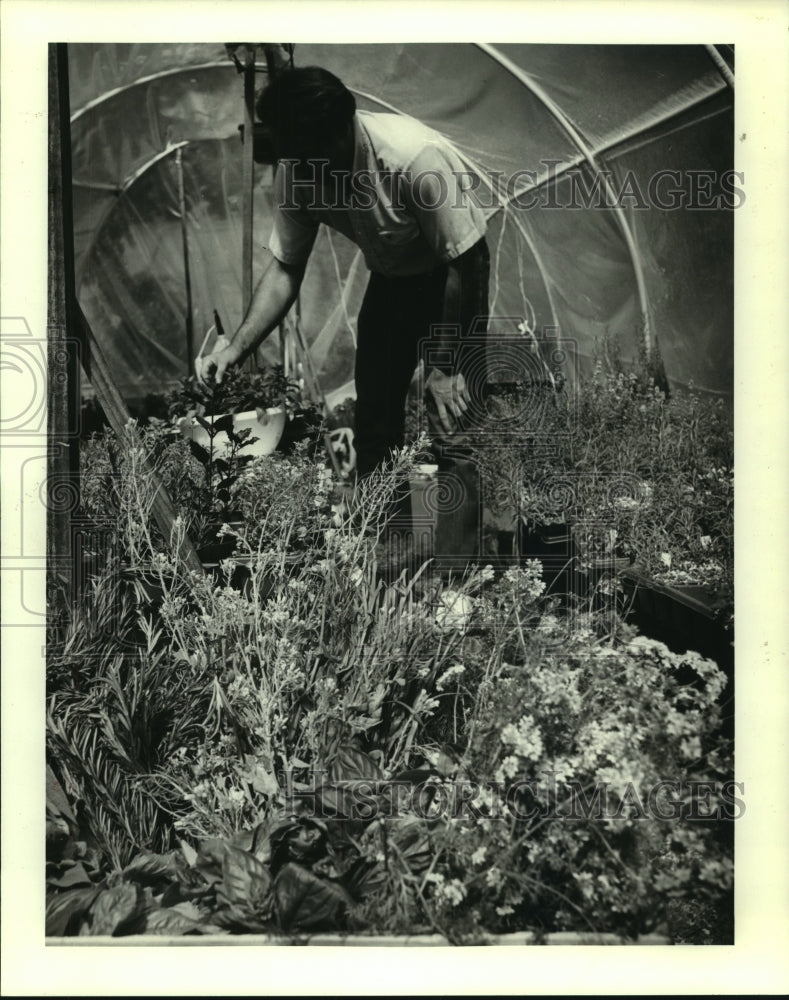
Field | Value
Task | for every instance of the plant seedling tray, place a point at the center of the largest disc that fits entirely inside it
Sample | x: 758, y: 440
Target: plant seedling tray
x: 683, y: 616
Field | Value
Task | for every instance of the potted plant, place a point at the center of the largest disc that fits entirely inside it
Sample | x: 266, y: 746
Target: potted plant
x: 618, y: 477
x: 228, y: 425
x: 668, y: 502
x: 255, y: 401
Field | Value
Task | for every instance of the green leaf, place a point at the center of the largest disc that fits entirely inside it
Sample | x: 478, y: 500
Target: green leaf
x: 334, y: 801
x: 361, y: 723
x: 114, y: 908
x: 169, y: 922
x: 245, y: 881
x: 207, y: 425
x: 214, y: 928
x: 299, y: 840
x: 411, y: 835
x: 187, y: 909
x: 64, y: 909
x: 224, y: 423
x: 58, y: 805
x: 72, y: 876
x: 210, y: 856
x: 239, y: 919
x: 365, y: 878
x: 306, y: 902
x: 263, y: 780
x: 199, y: 452
x: 148, y: 868
x: 354, y: 765
x: 57, y: 832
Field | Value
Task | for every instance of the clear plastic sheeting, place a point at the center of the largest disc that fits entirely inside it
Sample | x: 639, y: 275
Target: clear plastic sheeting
x: 457, y: 90
x: 611, y: 91
x: 533, y: 119
x: 688, y: 254
x: 590, y: 273
x: 97, y: 70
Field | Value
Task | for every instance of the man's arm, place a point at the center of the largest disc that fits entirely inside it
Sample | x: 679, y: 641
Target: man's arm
x: 448, y: 389
x: 452, y: 224
x: 273, y: 297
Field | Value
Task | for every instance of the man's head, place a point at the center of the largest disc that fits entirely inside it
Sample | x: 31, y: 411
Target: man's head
x: 306, y: 114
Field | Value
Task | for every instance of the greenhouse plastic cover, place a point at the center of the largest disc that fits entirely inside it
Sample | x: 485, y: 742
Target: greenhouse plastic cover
x: 147, y: 118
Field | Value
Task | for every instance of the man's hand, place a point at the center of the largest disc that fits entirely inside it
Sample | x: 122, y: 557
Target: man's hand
x: 217, y: 362
x: 450, y: 395
x: 274, y: 295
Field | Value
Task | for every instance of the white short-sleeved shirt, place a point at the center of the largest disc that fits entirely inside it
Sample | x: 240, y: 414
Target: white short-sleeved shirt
x: 409, y: 205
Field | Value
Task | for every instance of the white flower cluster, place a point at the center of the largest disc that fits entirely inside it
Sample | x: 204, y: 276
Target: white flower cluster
x: 277, y: 613
x: 452, y: 891
x: 527, y: 579
x: 479, y: 855
x: 525, y: 738
x: 707, y: 670
x: 603, y: 741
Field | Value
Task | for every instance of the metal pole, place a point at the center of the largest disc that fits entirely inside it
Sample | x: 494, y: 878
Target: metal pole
x: 63, y: 383
x: 248, y: 193
x: 723, y: 66
x: 275, y: 61
x: 69, y: 334
x: 187, y: 276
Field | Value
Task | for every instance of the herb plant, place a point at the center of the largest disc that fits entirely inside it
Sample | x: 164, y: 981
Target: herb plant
x: 285, y: 755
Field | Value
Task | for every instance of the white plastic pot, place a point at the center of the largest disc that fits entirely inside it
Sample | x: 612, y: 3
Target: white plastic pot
x: 266, y: 425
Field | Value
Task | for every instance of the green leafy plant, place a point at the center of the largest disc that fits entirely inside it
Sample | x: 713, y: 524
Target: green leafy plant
x: 238, y: 392
x: 280, y: 752
x: 212, y: 406
x: 631, y: 471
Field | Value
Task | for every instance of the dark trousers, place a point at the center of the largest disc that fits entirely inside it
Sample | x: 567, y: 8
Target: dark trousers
x: 396, y: 315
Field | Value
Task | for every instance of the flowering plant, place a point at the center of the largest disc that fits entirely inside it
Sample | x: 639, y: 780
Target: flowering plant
x: 324, y: 747
x: 632, y: 472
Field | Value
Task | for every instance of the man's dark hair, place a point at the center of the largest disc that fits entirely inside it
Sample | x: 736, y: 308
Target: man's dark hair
x: 301, y: 109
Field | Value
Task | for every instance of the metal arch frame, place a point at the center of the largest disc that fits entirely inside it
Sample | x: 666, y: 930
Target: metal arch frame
x: 590, y: 155
x: 721, y: 64
x: 121, y: 189
x: 579, y: 141
x: 586, y: 153
x: 142, y: 81
x: 158, y: 157
x: 603, y: 148
x: 127, y: 182
x: 613, y: 144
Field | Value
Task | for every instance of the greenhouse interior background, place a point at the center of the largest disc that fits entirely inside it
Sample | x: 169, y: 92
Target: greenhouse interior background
x: 270, y: 717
